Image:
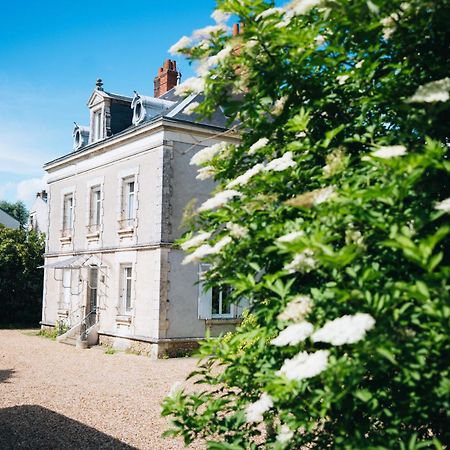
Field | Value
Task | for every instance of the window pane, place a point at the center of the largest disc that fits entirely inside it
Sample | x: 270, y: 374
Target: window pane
x: 128, y: 287
x: 216, y: 300
x: 226, y: 300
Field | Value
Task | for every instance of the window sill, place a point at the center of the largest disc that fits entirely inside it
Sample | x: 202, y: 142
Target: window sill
x: 63, y: 312
x: 93, y: 236
x: 126, y: 232
x: 65, y: 239
x: 223, y: 321
x: 123, y: 319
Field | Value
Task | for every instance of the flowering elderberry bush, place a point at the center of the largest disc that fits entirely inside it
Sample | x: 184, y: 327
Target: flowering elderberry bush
x: 331, y: 218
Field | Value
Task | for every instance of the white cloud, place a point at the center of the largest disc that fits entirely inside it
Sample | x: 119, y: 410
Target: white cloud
x: 27, y: 189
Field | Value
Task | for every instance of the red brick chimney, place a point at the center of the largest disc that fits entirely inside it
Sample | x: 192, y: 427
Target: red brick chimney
x: 167, y: 78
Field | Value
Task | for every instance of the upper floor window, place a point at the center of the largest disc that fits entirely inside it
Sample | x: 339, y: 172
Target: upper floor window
x: 97, y: 125
x: 128, y: 202
x: 68, y: 210
x: 95, y: 208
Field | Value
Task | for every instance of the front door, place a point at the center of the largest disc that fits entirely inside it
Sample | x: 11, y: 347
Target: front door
x: 92, y: 291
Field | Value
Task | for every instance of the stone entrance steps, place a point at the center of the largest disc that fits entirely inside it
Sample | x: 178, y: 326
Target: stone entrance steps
x: 69, y: 340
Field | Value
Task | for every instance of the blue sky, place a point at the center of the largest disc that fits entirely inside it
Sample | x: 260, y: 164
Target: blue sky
x: 51, y: 53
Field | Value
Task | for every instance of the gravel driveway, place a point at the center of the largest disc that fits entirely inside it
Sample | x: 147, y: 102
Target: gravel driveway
x: 53, y: 396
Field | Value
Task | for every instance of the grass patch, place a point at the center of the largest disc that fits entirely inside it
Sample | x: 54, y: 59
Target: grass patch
x: 111, y: 351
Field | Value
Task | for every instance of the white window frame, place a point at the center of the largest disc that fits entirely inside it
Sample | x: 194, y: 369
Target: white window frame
x: 97, y: 123
x: 128, y: 202
x: 221, y: 315
x: 68, y: 211
x: 95, y: 210
x: 205, y: 300
x: 126, y: 288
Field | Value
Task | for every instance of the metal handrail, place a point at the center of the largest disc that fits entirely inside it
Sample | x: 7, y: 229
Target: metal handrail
x: 88, y: 321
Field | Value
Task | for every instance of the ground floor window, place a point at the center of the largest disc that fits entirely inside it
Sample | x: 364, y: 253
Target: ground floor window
x: 126, y: 300
x: 92, y: 289
x: 216, y: 302
x: 221, y: 305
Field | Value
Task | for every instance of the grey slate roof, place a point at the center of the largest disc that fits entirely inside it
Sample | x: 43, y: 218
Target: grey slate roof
x: 218, y: 120
x: 8, y: 221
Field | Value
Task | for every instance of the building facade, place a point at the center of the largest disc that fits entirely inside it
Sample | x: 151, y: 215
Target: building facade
x: 38, y: 215
x: 115, y: 205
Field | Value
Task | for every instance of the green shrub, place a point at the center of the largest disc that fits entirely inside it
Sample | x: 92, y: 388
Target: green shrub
x: 342, y: 183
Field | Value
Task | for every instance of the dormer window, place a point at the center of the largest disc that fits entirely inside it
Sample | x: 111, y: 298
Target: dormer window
x: 145, y: 108
x: 97, y: 125
x: 80, y: 136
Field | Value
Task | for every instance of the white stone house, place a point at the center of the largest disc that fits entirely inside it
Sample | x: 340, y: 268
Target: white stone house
x: 112, y: 272
x: 38, y: 215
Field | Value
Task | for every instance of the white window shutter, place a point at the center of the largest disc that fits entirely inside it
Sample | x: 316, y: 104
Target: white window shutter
x: 204, y: 296
x: 241, y: 305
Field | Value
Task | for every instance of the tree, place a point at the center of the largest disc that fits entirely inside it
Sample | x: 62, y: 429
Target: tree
x: 21, y: 254
x: 331, y: 216
x: 16, y: 210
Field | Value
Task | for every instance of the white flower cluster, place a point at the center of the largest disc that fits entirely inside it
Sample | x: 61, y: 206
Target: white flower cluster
x: 304, y: 365
x: 268, y: 12
x: 303, y: 262
x: 389, y: 151
x: 205, y: 33
x: 278, y: 106
x: 390, y: 23
x: 206, y: 250
x: 206, y: 154
x: 220, y: 199
x: 259, y: 144
x: 285, y: 434
x: 291, y: 237
x: 254, y: 411
x: 236, y: 230
x: 280, y: 164
x: 243, y: 179
x: 175, y: 389
x: 353, y: 236
x: 205, y: 173
x: 220, y: 16
x: 323, y: 195
x: 276, y: 165
x: 344, y: 330
x: 444, y: 205
x: 335, y: 162
x: 341, y: 79
x: 195, y: 240
x: 435, y: 91
x: 319, y: 40
x: 182, y: 43
x: 190, y: 108
x: 293, y: 334
x: 191, y: 85
x: 300, y: 7
x: 297, y: 309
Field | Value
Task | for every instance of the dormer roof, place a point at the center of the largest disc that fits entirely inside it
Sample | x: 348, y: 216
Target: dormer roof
x: 98, y: 96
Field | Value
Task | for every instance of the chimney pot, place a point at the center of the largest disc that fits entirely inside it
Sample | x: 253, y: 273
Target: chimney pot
x: 166, y: 79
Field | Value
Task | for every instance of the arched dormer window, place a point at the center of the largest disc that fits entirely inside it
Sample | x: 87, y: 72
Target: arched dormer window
x: 80, y: 136
x: 145, y: 108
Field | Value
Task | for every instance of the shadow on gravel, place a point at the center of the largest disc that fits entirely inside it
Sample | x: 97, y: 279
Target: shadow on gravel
x: 35, y: 427
x: 5, y: 375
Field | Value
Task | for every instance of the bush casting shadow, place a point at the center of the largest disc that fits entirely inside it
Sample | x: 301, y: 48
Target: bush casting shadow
x: 5, y: 375
x: 35, y: 427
